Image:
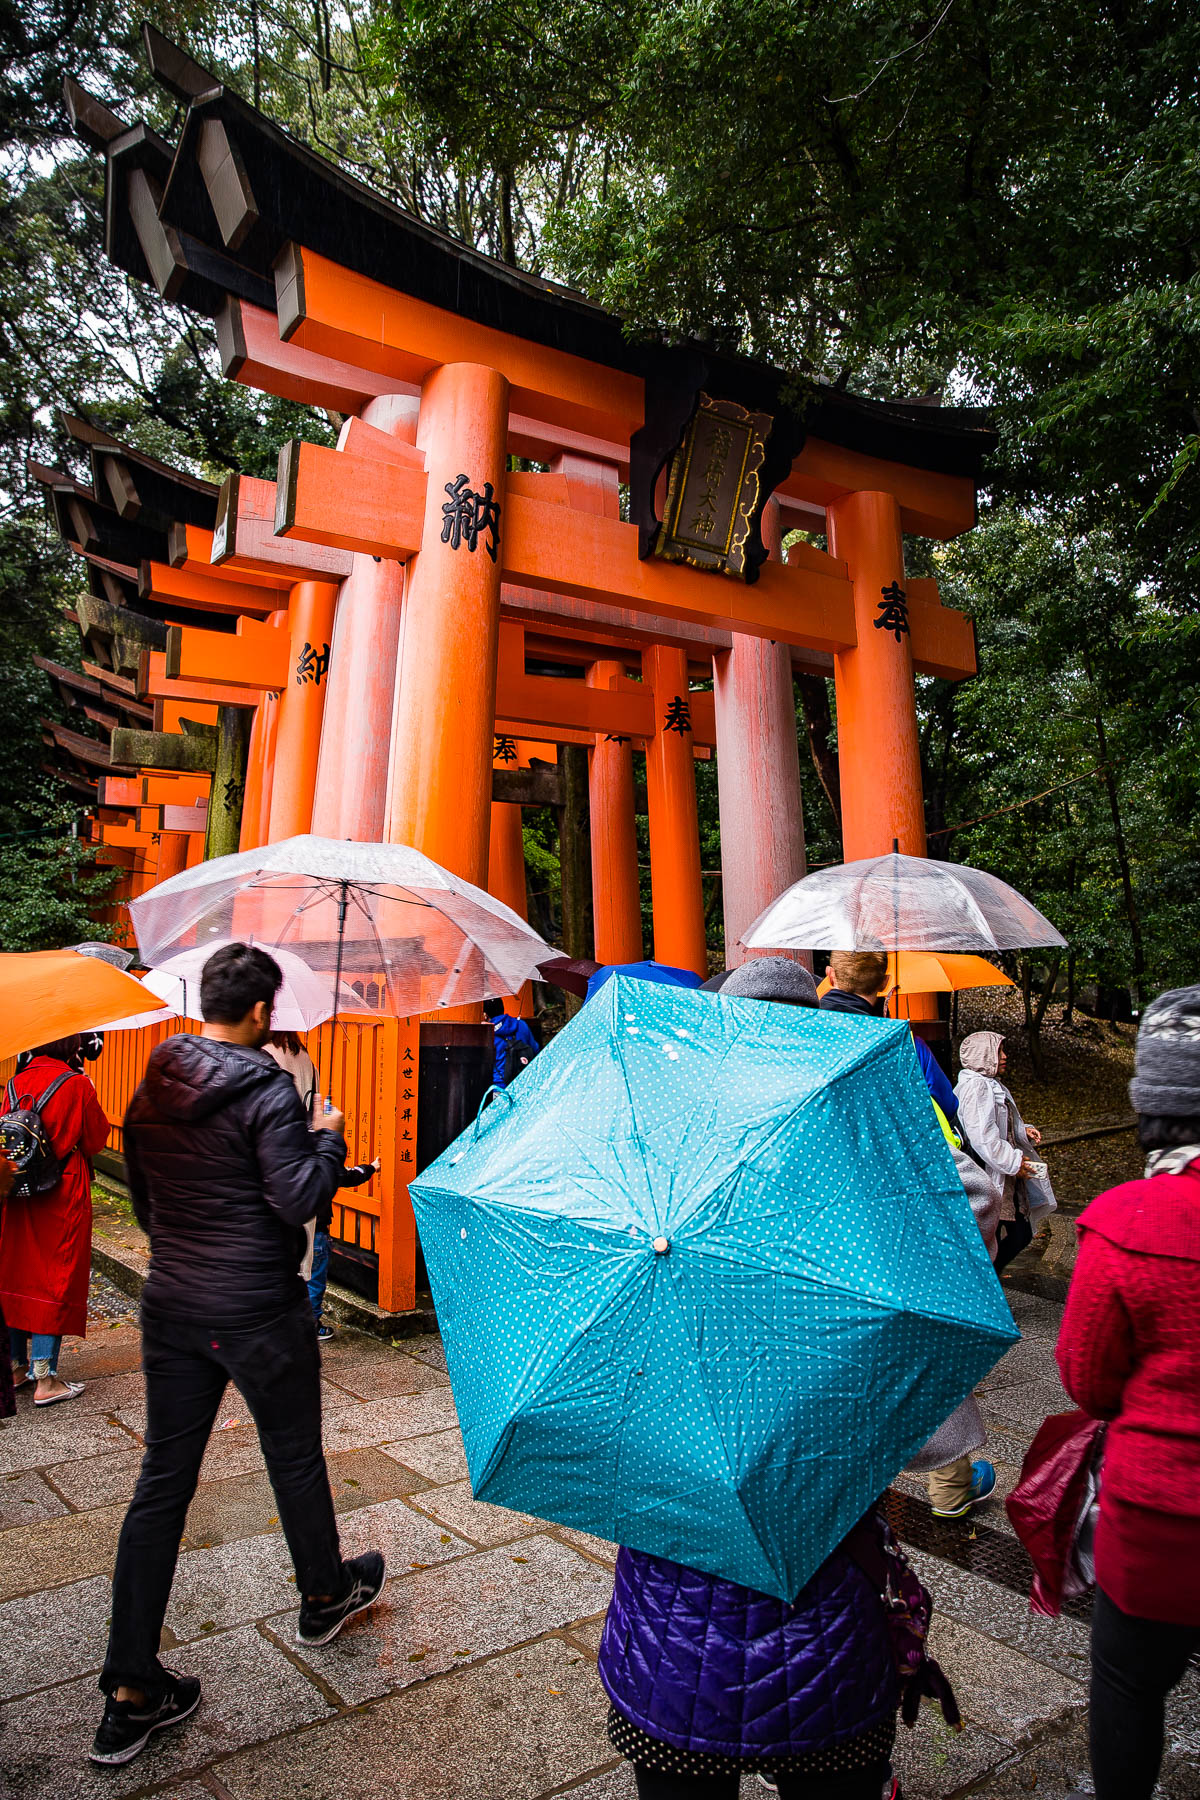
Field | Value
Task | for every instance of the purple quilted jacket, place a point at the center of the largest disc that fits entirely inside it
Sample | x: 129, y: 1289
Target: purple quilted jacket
x: 703, y: 1664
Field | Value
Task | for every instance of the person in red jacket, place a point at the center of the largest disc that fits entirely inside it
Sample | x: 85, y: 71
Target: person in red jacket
x: 1129, y: 1352
x: 46, y: 1240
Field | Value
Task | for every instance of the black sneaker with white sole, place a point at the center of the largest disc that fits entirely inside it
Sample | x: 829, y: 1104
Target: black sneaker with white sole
x: 127, y: 1726
x: 322, y: 1620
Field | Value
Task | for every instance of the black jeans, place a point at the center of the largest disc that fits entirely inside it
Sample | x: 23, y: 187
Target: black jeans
x: 859, y: 1784
x: 276, y: 1365
x: 1135, y: 1664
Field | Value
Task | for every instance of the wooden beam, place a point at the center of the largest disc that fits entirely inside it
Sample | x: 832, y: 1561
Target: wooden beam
x: 119, y: 790
x: 191, y: 754
x: 159, y: 243
x: 158, y: 686
x: 227, y: 182
x: 943, y: 641
x: 172, y: 818
x: 352, y: 503
x: 330, y: 310
x: 215, y: 591
x: 190, y: 547
x: 252, y: 352
x: 118, y: 478
x: 937, y: 506
x: 255, y: 656
x: 554, y: 548
x: 245, y: 533
x: 527, y: 787
x: 167, y: 788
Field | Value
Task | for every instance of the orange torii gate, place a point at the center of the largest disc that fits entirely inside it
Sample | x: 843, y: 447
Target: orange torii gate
x: 447, y: 366
x: 405, y: 593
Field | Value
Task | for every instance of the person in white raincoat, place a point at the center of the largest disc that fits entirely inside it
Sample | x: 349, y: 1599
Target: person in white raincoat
x: 995, y: 1130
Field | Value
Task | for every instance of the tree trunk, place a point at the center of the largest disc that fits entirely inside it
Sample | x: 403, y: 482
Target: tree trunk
x: 818, y: 720
x: 508, y: 243
x: 1114, y: 805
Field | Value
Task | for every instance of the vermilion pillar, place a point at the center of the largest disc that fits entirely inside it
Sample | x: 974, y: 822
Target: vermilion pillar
x: 442, y: 729
x: 878, y: 746
x: 506, y: 857
x: 506, y: 876
x: 616, y: 900
x: 616, y: 904
x: 758, y: 773
x: 172, y: 854
x: 301, y: 705
x: 351, y: 794
x: 675, y: 888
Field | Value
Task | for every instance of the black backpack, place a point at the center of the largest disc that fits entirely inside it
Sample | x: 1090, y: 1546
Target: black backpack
x: 25, y: 1142
x: 516, y: 1057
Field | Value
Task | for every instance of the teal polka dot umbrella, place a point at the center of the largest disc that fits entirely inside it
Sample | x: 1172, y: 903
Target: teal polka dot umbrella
x: 707, y: 1279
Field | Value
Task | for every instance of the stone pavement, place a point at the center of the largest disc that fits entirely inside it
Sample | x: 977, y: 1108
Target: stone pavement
x: 475, y: 1677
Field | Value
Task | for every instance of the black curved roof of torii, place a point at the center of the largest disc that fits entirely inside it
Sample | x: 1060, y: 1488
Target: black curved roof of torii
x: 286, y: 193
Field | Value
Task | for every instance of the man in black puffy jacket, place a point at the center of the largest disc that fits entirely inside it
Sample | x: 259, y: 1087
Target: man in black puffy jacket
x: 224, y: 1173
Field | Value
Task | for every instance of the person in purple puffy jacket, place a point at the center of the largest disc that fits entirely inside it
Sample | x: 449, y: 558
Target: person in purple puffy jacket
x: 708, y: 1680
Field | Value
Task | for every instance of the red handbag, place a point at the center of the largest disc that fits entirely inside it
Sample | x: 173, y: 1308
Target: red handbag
x: 1053, y: 1502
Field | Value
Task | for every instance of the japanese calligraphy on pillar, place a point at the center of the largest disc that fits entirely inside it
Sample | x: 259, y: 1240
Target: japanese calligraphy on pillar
x: 468, y: 516
x: 893, y: 611
x: 312, y: 665
x: 504, y: 748
x: 406, y: 1100
x: 678, y: 715
x: 713, y: 487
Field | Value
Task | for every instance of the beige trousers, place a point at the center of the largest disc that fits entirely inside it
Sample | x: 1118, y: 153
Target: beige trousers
x: 950, y: 1487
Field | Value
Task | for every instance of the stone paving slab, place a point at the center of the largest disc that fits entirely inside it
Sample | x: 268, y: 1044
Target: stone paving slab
x: 54, y: 1552
x: 106, y: 1480
x: 439, y: 1456
x: 349, y: 1423
x: 54, y: 1434
x: 407, y: 1539
x: 244, y: 1505
x: 252, y: 1692
x: 1061, y: 1643
x: 25, y: 1498
x: 998, y: 1688
x: 475, y: 1519
x: 933, y: 1762
x: 384, y: 1376
x: 389, y: 1707
x: 41, y: 1644
x: 107, y: 1350
x: 434, y: 1620
x: 514, y: 1728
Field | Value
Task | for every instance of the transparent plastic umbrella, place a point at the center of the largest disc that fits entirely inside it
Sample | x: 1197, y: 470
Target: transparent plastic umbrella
x: 404, y: 934
x: 303, y: 1002
x: 897, y: 903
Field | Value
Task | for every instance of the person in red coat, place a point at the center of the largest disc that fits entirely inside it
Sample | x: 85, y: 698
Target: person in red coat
x: 46, y: 1240
x: 1129, y: 1352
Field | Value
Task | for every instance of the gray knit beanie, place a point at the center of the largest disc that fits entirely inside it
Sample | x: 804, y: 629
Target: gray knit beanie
x: 1166, y: 1071
x: 772, y: 978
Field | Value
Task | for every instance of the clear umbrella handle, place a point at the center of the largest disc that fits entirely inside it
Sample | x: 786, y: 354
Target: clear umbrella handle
x: 503, y: 1093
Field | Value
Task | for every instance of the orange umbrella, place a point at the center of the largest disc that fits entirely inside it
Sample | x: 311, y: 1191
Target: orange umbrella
x: 49, y: 994
x: 938, y: 972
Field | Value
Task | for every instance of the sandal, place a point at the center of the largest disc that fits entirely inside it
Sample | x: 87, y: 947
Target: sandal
x: 74, y: 1389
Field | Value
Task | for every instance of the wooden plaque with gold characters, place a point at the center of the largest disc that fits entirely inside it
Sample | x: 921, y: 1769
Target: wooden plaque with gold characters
x: 713, y: 488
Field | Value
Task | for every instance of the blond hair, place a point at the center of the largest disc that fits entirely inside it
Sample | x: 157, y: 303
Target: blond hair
x: 860, y: 971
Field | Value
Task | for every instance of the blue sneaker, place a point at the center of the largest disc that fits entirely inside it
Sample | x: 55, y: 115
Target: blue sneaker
x: 983, y: 1484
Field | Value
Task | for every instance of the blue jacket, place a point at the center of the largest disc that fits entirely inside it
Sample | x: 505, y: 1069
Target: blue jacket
x: 837, y: 1000
x: 703, y: 1664
x: 504, y: 1028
